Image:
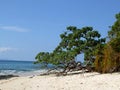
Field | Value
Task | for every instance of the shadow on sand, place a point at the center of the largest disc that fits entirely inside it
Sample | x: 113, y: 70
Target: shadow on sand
x: 7, y: 76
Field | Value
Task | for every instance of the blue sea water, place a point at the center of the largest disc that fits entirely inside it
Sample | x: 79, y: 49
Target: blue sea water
x: 20, y: 68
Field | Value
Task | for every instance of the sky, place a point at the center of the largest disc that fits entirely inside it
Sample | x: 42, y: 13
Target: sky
x: 28, y: 27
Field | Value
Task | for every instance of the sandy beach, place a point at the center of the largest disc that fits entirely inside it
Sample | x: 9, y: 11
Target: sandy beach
x: 87, y: 81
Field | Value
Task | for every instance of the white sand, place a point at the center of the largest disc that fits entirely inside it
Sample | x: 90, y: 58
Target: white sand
x: 88, y: 81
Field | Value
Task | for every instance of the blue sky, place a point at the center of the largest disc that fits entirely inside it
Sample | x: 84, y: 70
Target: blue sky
x: 31, y: 26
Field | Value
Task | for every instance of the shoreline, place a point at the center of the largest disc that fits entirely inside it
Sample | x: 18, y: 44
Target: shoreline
x: 86, y: 81
x: 24, y: 73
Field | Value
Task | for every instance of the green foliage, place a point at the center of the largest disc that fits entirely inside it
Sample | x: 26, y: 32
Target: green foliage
x: 108, y: 60
x: 115, y: 44
x: 43, y: 57
x: 73, y: 42
x: 104, y: 56
x: 115, y: 28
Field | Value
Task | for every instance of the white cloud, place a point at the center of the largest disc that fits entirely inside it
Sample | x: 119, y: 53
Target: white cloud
x: 13, y: 28
x: 6, y: 49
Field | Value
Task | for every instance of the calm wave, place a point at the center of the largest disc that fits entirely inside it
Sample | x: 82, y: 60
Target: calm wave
x: 19, y: 67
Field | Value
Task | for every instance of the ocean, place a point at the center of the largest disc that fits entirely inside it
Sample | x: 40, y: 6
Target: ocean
x: 21, y: 68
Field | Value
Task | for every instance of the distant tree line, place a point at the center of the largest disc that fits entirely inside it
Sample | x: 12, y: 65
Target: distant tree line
x: 103, y: 56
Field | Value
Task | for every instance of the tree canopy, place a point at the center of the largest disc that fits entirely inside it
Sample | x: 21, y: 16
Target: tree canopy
x: 104, y: 56
x: 74, y: 41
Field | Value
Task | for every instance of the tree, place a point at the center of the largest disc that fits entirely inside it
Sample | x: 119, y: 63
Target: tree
x: 74, y: 41
x: 43, y: 57
x: 108, y: 57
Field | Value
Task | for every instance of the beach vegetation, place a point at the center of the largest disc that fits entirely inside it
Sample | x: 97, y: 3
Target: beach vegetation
x: 103, y: 55
x: 108, y: 59
x: 74, y: 41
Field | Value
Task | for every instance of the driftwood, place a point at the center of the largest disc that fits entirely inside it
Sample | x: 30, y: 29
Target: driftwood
x: 77, y: 66
x: 115, y: 69
x: 70, y: 67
